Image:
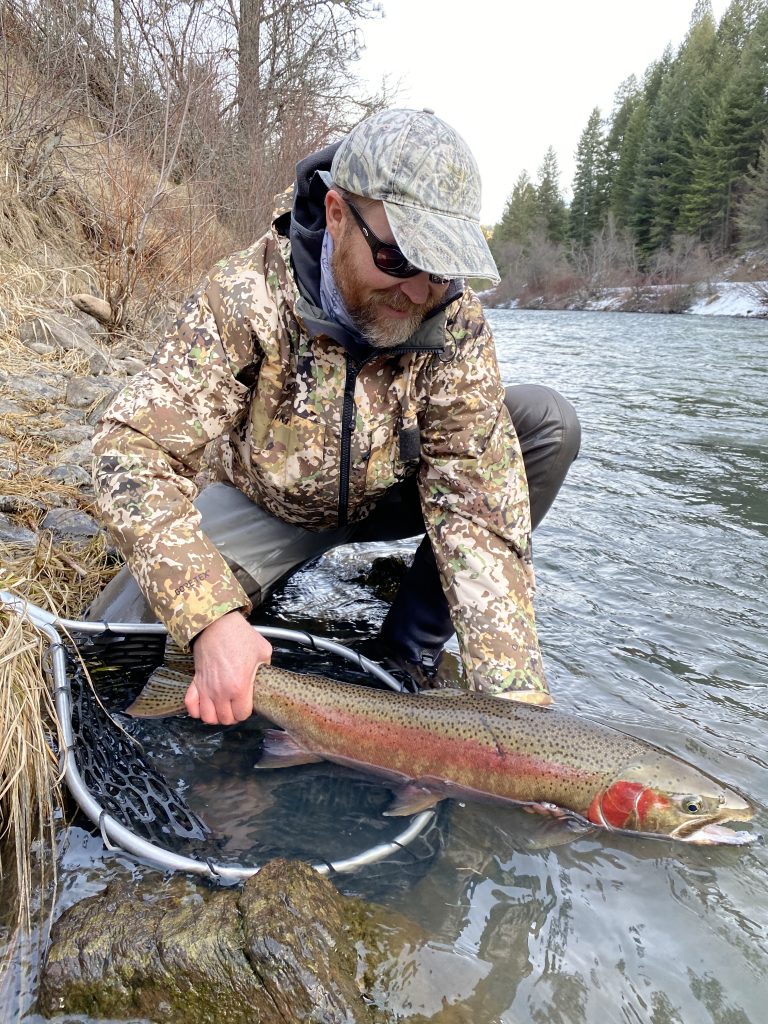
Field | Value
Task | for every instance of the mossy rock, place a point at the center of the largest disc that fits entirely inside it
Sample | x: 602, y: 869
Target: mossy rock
x: 285, y: 949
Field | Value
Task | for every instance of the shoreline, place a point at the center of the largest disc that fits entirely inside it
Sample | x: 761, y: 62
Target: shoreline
x: 723, y: 298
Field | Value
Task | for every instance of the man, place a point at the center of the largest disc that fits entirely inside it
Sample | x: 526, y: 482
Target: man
x: 344, y: 383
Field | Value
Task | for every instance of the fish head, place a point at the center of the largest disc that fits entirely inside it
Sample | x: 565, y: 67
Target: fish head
x: 662, y: 795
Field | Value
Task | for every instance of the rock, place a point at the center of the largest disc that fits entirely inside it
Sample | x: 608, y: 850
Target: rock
x: 8, y: 406
x: 70, y: 474
x: 73, y: 434
x: 79, y: 454
x: 285, y: 948
x: 16, y: 536
x: 64, y: 332
x: 98, y: 410
x: 130, y: 365
x: 8, y: 468
x: 385, y: 576
x: 40, y: 348
x: 42, y: 387
x: 15, y: 503
x: 94, y: 307
x: 83, y: 392
x: 69, y: 524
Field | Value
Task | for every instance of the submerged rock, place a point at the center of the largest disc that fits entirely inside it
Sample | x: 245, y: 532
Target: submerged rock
x: 285, y: 948
x: 385, y: 575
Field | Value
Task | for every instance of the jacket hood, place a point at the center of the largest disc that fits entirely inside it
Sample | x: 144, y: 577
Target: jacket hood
x: 308, y: 220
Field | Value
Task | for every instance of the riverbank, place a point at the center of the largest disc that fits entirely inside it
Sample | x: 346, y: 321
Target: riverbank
x: 722, y: 298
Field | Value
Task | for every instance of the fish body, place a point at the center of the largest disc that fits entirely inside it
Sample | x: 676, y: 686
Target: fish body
x: 475, y: 745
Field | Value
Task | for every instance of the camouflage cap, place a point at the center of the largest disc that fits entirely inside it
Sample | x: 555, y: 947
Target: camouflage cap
x: 424, y: 173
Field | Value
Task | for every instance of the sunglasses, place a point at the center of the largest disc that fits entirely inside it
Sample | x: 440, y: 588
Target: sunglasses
x: 386, y: 256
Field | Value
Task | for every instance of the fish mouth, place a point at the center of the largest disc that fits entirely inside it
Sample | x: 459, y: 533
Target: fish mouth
x: 713, y: 834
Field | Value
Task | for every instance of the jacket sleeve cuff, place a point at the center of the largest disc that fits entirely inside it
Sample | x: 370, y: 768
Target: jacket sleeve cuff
x: 191, y: 612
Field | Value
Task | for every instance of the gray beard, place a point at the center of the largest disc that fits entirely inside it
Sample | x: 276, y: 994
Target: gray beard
x: 387, y: 335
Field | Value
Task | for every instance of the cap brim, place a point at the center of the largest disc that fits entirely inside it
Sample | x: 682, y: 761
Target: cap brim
x: 440, y: 244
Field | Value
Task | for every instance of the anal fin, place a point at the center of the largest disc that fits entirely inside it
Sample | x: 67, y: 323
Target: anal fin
x: 410, y: 799
x: 281, y: 750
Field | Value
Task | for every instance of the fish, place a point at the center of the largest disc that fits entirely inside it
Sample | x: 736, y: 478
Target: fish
x: 452, y: 743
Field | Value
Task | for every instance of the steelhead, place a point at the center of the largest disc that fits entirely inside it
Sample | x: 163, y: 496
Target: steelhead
x: 451, y: 743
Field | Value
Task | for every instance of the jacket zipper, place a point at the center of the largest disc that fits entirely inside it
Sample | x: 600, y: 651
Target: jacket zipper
x: 347, y: 429
x: 348, y: 422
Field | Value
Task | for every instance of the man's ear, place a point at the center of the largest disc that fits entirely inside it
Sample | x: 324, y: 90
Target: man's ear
x: 334, y: 214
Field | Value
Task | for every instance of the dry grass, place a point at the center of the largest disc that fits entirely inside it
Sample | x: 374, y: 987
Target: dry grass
x: 63, y: 582
x: 30, y: 792
x: 62, y: 578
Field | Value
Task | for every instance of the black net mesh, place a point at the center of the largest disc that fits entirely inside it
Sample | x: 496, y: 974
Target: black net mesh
x: 112, y: 763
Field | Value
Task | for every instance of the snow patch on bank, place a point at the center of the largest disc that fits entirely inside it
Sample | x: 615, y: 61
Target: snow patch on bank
x: 734, y: 298
x: 725, y: 298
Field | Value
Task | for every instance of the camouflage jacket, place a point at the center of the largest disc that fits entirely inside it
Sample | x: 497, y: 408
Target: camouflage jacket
x: 313, y: 435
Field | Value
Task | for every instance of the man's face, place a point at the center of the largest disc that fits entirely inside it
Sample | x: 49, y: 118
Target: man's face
x: 387, y: 310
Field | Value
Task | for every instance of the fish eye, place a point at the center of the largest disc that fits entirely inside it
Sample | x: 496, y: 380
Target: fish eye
x: 692, y: 804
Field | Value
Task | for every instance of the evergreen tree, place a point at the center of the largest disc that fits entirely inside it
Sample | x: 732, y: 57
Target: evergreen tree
x: 639, y: 160
x: 552, y: 211
x: 588, y: 206
x: 752, y: 211
x: 623, y: 172
x: 732, y: 143
x: 626, y: 101
x: 735, y: 26
x: 681, y: 119
x: 518, y: 221
x: 521, y: 212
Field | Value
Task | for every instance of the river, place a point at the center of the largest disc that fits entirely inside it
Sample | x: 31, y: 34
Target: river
x: 652, y: 607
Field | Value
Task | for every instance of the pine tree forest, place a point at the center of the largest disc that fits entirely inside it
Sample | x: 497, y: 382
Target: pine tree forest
x: 673, y: 181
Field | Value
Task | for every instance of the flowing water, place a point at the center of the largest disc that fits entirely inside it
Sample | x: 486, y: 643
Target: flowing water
x: 652, y: 609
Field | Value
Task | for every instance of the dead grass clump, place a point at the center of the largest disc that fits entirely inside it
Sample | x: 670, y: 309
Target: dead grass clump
x: 30, y: 778
x: 63, y: 578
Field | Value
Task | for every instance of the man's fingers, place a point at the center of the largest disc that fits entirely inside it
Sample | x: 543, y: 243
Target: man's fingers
x: 192, y: 701
x: 224, y: 714
x: 242, y: 707
x: 215, y: 714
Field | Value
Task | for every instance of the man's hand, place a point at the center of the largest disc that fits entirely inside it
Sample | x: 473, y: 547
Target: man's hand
x: 227, y: 654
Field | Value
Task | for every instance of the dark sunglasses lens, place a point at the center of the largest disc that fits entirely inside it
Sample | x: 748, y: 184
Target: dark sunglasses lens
x: 391, y: 261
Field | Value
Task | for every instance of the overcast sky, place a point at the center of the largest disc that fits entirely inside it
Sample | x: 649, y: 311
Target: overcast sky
x: 516, y: 76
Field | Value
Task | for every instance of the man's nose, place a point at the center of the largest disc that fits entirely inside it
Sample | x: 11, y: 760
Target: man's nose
x: 416, y: 288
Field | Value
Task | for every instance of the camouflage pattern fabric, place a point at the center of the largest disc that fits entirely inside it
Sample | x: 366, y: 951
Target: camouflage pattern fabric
x: 239, y: 368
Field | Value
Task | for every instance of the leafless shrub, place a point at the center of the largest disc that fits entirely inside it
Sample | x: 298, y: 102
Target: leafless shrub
x: 687, y: 261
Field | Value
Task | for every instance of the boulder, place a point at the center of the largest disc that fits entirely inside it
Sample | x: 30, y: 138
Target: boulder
x: 64, y: 332
x: 69, y: 524
x: 68, y: 473
x: 42, y: 386
x: 72, y: 434
x: 78, y: 454
x: 287, y: 947
x: 16, y: 536
x: 98, y: 309
x: 16, y: 503
x: 130, y: 365
x: 83, y: 392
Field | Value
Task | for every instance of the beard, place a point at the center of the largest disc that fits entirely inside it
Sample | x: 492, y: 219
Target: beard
x: 365, y: 305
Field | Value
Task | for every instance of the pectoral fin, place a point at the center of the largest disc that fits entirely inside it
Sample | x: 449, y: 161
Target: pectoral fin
x: 411, y: 799
x: 281, y: 750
